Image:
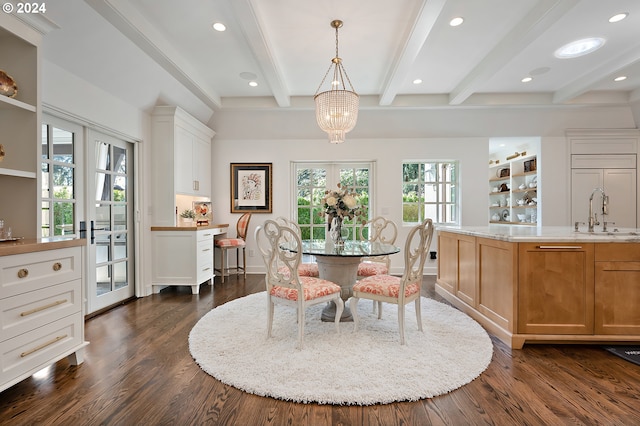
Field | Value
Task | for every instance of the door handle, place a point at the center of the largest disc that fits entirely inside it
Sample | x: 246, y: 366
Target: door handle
x: 93, y: 229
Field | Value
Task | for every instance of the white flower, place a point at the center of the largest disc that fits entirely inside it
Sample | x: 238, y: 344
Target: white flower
x: 332, y: 201
x: 350, y: 202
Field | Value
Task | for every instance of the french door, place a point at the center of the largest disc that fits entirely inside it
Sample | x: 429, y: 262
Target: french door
x: 87, y: 190
x: 110, y: 221
x: 311, y: 180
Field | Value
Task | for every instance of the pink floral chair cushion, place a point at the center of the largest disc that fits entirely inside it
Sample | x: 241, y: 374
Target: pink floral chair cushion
x: 385, y: 285
x: 368, y: 269
x: 229, y: 242
x: 312, y: 287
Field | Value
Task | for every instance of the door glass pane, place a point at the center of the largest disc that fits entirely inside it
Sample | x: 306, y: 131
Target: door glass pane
x: 120, y: 159
x: 120, y: 275
x: 120, y: 188
x: 45, y: 181
x: 102, y: 156
x: 62, y: 145
x: 103, y: 217
x: 103, y: 187
x: 120, y: 217
x: 103, y: 279
x: 63, y: 182
x: 103, y: 248
x: 63, y: 218
x: 45, y: 218
x: 120, y: 247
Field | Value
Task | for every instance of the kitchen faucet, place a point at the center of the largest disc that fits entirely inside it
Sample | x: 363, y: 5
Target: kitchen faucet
x: 593, y: 217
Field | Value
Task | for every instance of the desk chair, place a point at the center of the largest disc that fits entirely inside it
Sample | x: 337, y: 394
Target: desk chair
x: 240, y: 242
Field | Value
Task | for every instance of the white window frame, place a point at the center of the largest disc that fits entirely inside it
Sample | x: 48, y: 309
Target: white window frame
x: 441, y: 199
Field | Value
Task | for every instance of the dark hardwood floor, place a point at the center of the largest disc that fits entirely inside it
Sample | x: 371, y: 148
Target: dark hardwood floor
x: 138, y: 371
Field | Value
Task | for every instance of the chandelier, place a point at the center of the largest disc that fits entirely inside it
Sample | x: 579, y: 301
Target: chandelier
x: 337, y: 108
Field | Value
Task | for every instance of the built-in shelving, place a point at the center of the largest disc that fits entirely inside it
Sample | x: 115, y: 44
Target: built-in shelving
x: 513, y: 191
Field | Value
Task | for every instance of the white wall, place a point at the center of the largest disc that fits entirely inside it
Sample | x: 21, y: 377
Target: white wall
x: 390, y: 137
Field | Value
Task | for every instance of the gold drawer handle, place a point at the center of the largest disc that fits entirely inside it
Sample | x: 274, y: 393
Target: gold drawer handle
x: 57, y: 266
x: 206, y: 269
x: 42, y: 346
x: 42, y: 308
x: 22, y: 273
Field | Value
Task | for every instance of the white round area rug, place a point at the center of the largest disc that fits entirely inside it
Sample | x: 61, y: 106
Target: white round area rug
x: 365, y: 367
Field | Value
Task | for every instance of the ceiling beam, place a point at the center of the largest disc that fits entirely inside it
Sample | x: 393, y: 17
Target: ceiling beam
x: 586, y: 82
x: 422, y: 26
x: 539, y: 19
x: 262, y: 49
x: 130, y: 22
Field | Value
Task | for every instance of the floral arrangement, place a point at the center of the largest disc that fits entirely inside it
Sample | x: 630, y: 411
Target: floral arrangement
x: 340, y: 203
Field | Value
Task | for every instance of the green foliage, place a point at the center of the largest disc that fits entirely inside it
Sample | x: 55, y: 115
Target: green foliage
x: 62, y: 211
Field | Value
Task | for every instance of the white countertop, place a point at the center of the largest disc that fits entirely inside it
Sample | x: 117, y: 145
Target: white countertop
x: 547, y: 233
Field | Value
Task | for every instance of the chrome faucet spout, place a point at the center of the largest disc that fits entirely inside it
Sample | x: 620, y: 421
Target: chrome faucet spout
x: 593, y: 218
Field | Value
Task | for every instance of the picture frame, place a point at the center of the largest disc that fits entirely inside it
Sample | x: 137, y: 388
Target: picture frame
x: 204, y: 213
x: 251, y: 190
x: 530, y: 166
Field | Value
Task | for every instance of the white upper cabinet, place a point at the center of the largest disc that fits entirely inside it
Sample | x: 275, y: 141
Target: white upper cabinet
x: 181, y: 161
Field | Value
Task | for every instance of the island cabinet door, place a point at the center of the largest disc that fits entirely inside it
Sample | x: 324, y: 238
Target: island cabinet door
x: 457, y: 266
x: 617, y: 289
x: 556, y: 288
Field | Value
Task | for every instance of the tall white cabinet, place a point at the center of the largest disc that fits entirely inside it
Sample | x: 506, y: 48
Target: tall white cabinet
x: 605, y: 159
x: 181, y: 161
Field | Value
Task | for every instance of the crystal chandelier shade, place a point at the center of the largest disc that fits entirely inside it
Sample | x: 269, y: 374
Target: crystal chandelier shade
x: 337, y: 108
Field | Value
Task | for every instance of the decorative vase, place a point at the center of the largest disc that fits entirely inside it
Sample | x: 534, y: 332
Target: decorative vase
x: 335, y: 231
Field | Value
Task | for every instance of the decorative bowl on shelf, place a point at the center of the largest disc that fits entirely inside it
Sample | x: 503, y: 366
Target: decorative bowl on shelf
x: 8, y: 86
x: 522, y: 217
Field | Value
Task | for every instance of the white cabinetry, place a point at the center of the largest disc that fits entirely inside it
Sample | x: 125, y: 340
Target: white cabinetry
x: 513, y: 192
x: 183, y: 257
x: 41, y: 312
x: 605, y: 159
x: 181, y: 160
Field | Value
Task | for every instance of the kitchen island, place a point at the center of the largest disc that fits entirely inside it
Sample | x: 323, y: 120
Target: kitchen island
x: 544, y: 284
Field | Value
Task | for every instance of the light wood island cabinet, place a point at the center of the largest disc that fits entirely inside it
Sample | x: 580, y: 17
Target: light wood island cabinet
x: 543, y: 284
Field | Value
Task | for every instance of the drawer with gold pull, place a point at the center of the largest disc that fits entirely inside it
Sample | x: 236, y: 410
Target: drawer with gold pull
x: 39, y: 346
x: 24, y: 312
x: 33, y: 271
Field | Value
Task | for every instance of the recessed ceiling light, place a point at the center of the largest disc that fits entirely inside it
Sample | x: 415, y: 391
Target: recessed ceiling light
x: 619, y: 17
x: 579, y: 47
x: 248, y: 75
x: 219, y: 26
x: 526, y: 79
x: 253, y: 83
x: 620, y: 78
x: 417, y: 81
x: 456, y: 21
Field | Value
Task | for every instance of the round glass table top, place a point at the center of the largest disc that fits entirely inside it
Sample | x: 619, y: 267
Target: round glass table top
x: 349, y: 249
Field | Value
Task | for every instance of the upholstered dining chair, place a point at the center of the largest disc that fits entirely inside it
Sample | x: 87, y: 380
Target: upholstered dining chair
x: 306, y: 269
x: 286, y: 287
x: 398, y: 290
x: 237, y: 243
x: 379, y: 230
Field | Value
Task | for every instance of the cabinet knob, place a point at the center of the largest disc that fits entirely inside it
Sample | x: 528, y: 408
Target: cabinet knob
x: 22, y: 273
x: 57, y: 266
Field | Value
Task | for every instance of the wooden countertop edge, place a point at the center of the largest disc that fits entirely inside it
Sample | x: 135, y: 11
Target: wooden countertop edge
x: 8, y: 248
x: 189, y: 228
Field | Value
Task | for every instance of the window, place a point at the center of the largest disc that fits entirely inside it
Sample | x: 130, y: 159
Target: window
x: 58, y: 191
x: 430, y: 190
x: 312, y: 179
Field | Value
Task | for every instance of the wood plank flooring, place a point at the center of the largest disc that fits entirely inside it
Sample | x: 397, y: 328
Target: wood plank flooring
x: 138, y: 371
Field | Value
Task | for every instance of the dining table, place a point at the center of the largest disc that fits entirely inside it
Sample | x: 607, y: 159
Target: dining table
x: 338, y: 263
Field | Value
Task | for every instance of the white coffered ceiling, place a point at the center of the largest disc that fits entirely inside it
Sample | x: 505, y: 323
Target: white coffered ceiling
x: 385, y: 45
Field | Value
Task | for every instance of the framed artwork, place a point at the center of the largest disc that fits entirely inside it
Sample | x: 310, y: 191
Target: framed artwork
x: 204, y: 214
x: 251, y: 188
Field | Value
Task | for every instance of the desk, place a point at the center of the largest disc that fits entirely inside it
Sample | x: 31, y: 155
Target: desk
x: 340, y: 265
